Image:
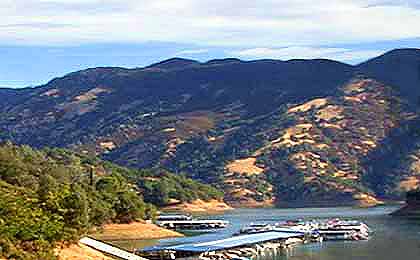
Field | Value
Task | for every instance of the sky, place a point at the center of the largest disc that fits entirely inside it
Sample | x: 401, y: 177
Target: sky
x: 43, y: 39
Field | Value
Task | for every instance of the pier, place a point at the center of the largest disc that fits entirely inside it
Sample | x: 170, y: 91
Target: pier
x: 229, y: 248
x: 109, y: 249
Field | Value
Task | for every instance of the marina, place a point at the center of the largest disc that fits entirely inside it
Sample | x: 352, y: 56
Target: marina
x: 389, y: 237
x: 255, y: 239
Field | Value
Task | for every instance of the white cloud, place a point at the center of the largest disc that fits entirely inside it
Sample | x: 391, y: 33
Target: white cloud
x: 352, y: 56
x: 68, y: 1
x: 191, y: 52
x: 304, y: 52
x: 289, y: 52
x: 208, y: 22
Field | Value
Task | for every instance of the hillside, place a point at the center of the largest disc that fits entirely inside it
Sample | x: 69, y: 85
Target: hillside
x: 298, y: 132
x: 54, y: 195
x: 328, y: 143
x: 412, y: 207
x: 398, y: 68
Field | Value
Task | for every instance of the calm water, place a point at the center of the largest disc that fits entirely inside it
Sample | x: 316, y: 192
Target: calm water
x: 392, y: 238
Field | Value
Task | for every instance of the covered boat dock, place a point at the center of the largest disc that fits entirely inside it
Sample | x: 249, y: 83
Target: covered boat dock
x: 247, y: 244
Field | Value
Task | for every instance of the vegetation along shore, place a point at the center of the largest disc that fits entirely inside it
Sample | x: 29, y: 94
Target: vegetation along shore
x: 51, y: 197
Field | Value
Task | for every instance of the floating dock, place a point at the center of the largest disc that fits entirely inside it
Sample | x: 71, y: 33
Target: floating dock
x: 193, y: 224
x: 109, y: 249
x: 229, y: 248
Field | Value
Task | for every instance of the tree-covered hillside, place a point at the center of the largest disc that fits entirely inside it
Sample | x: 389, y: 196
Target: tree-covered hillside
x: 55, y: 195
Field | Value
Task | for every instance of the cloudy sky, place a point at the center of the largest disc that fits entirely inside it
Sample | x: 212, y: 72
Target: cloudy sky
x: 42, y: 39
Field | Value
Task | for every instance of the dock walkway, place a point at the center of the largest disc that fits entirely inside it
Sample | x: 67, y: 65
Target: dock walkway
x: 109, y: 249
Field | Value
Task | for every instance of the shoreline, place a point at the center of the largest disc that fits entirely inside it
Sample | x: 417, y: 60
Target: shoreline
x: 179, y: 208
x: 136, y: 231
x: 133, y: 231
x: 127, y: 236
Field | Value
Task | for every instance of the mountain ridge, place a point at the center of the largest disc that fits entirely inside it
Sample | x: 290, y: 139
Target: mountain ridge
x: 398, y: 52
x: 205, y: 119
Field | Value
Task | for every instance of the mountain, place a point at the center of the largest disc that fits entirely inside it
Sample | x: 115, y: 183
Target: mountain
x: 398, y: 68
x: 298, y: 132
x: 173, y: 64
x: 12, y: 96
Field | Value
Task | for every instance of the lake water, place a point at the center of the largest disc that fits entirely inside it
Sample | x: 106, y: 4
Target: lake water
x: 392, y: 238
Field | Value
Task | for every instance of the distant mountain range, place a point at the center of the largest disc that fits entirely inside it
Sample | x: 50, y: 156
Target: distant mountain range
x: 297, y: 132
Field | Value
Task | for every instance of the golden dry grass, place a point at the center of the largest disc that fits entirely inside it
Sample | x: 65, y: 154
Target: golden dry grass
x: 134, y: 231
x: 244, y: 166
x: 200, y: 206
x: 366, y: 200
x: 80, y: 252
x: 90, y: 95
x: 51, y: 93
x: 315, y: 103
x: 409, y: 183
x: 330, y: 112
x: 353, y: 99
x: 107, y: 145
x: 358, y: 86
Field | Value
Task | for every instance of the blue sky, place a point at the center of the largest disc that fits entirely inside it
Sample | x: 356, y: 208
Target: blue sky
x: 43, y: 39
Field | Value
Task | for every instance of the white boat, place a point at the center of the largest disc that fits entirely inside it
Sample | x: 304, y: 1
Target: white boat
x: 331, y: 229
x: 344, y: 230
x: 256, y: 228
x: 175, y: 217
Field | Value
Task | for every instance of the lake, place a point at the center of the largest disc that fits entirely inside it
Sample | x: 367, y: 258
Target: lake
x: 392, y: 238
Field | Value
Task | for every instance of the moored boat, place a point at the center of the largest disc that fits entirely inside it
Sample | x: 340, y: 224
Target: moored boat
x: 318, y: 230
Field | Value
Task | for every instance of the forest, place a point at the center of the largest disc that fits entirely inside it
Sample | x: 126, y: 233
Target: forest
x: 52, y: 196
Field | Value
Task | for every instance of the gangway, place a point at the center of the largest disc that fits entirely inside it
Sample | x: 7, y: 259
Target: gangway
x: 109, y: 249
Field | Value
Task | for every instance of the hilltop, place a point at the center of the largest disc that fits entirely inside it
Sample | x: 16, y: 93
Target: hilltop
x: 298, y: 132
